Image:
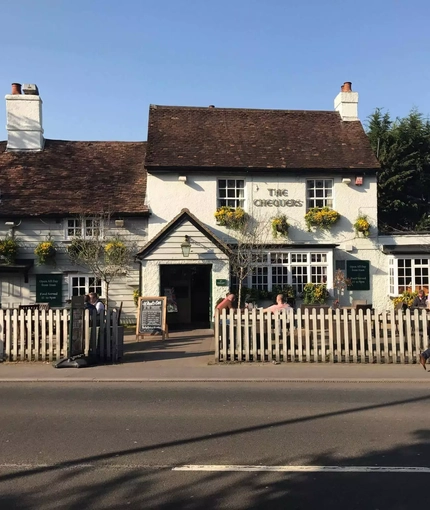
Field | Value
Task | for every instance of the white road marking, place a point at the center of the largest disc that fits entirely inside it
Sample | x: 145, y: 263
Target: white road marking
x: 224, y: 468
x: 306, y: 469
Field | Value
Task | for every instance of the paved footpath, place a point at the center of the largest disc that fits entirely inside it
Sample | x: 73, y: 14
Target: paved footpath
x: 189, y: 357
x: 151, y: 372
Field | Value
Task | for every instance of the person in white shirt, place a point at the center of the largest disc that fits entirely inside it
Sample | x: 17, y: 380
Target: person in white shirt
x: 95, y: 301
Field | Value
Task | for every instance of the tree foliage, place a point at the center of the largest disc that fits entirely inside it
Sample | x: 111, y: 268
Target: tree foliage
x: 106, y: 257
x: 402, y: 147
x: 248, y: 251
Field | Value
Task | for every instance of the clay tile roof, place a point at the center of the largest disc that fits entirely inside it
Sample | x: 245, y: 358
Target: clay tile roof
x: 255, y: 139
x: 70, y: 177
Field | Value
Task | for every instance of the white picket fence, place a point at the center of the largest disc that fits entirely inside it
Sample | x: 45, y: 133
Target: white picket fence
x: 333, y: 336
x: 33, y: 335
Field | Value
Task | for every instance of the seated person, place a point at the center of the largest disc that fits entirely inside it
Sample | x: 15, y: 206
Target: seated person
x: 226, y: 303
x: 420, y: 301
x: 280, y: 305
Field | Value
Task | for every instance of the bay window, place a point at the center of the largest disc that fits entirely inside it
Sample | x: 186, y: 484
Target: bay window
x: 408, y: 273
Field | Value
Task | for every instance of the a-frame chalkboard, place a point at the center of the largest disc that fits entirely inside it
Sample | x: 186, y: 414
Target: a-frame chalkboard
x: 151, y: 316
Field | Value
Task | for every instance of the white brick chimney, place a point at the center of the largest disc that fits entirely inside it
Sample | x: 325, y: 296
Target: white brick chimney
x: 24, y: 119
x: 346, y: 102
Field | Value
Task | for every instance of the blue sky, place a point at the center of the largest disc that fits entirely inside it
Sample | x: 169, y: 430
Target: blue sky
x: 100, y: 63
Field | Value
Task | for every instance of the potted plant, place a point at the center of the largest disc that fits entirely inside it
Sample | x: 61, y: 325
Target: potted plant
x: 8, y: 249
x: 280, y: 226
x: 45, y: 252
x: 405, y: 299
x: 315, y: 294
x: 362, y: 225
x: 321, y: 217
x: 230, y: 217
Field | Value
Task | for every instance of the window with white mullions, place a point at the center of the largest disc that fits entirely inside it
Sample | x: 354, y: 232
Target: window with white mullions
x: 408, y: 274
x: 291, y: 268
x: 319, y: 193
x: 299, y: 278
x: 87, y: 228
x: 231, y: 192
x: 82, y: 284
x: 260, y: 278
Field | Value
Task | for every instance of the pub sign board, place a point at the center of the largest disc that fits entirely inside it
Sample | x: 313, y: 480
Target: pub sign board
x: 359, y: 273
x: 151, y: 316
x: 49, y: 289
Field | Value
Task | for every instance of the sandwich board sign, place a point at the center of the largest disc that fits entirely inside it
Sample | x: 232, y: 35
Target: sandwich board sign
x: 151, y: 316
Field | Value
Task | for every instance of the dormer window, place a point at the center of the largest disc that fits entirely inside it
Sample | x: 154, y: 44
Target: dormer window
x: 86, y: 228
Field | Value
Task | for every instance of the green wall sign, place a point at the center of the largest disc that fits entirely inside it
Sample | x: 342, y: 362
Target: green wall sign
x: 221, y: 283
x: 49, y: 289
x: 358, y: 271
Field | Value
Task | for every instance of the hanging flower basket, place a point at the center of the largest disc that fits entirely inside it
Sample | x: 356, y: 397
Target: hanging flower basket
x: 321, y: 217
x: 231, y: 217
x: 280, y: 226
x: 362, y: 226
x: 45, y: 252
x: 8, y: 249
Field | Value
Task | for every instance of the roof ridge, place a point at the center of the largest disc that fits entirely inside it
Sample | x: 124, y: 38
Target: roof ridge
x: 209, y: 108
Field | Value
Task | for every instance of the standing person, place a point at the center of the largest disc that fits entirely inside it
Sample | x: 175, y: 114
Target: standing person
x: 420, y: 301
x: 95, y: 301
x: 87, y: 303
x: 280, y: 304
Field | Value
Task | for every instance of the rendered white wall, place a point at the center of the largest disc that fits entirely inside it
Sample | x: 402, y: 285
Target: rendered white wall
x: 24, y: 122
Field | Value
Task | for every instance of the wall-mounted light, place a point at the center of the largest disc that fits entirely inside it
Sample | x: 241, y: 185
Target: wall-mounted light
x: 186, y: 247
x: 182, y: 178
x: 119, y: 223
x: 359, y: 181
x: 346, y: 180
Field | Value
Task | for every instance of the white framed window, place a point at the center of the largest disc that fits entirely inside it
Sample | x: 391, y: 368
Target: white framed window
x: 231, y: 192
x: 87, y: 228
x: 408, y: 273
x: 319, y: 193
x: 282, y: 268
x: 83, y: 284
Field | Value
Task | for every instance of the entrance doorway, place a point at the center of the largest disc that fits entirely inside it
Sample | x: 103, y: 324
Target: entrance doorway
x: 191, y: 286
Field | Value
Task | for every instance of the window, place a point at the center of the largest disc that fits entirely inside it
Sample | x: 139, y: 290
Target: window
x: 408, y: 274
x: 231, y: 192
x: 319, y: 193
x: 291, y: 268
x: 90, y: 227
x: 80, y: 285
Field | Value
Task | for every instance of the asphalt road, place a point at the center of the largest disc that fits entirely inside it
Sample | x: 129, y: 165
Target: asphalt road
x: 114, y: 446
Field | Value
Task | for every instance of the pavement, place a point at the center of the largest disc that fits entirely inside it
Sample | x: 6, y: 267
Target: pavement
x: 189, y: 357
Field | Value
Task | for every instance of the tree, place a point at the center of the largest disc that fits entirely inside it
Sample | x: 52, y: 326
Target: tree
x: 249, y: 250
x: 106, y: 257
x: 402, y: 147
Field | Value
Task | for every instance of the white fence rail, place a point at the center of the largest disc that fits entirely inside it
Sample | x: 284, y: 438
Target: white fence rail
x: 33, y: 335
x: 321, y: 336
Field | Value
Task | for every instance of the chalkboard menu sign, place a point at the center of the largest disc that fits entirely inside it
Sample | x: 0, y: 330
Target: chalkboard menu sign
x: 76, y: 339
x: 151, y: 316
x: 358, y: 272
x: 49, y: 289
